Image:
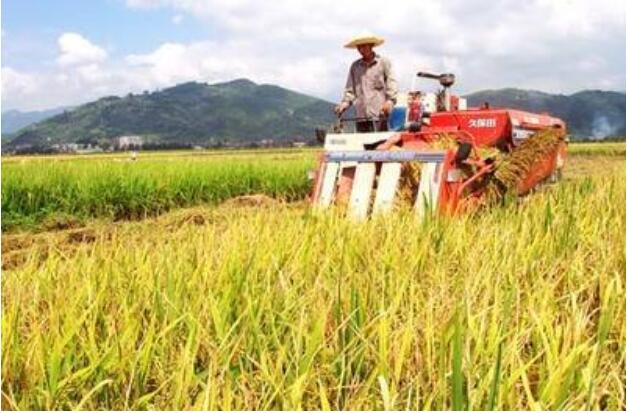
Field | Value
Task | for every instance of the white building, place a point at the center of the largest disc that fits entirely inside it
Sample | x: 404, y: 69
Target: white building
x: 128, y: 141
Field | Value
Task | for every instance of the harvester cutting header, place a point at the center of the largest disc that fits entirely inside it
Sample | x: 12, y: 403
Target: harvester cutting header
x: 430, y: 149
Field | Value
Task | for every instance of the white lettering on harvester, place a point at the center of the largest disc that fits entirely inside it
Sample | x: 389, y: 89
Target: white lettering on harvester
x: 482, y: 123
x: 338, y: 142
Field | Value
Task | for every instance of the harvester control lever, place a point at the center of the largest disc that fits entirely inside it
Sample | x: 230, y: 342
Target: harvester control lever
x: 445, y: 79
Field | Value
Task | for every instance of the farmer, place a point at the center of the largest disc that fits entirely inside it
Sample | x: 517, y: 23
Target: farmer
x: 371, y: 85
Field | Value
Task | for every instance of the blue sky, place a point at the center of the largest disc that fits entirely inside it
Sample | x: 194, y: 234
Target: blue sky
x: 32, y: 27
x: 66, y: 52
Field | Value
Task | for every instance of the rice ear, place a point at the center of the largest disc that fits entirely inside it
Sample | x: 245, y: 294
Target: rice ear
x: 511, y: 170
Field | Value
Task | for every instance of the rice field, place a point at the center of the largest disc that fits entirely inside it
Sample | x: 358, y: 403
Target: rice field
x: 227, y: 306
x: 61, y: 191
x: 48, y: 192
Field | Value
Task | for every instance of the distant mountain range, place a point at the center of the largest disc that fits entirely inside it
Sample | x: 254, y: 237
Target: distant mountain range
x: 14, y: 120
x: 241, y: 112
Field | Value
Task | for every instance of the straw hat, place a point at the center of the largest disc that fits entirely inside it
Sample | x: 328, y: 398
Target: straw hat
x: 364, y: 38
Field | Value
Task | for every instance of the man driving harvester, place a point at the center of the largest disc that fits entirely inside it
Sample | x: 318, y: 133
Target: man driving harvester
x: 371, y: 86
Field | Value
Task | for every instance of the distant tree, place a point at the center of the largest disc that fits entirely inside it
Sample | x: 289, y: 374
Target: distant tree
x: 105, y: 144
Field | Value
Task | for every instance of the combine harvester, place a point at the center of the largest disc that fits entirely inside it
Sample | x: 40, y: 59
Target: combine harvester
x: 447, y: 157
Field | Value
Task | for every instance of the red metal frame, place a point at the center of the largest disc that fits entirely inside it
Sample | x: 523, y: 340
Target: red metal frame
x: 478, y: 127
x: 317, y: 182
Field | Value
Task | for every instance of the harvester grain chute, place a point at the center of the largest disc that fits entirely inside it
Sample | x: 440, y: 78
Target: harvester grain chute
x: 438, y: 155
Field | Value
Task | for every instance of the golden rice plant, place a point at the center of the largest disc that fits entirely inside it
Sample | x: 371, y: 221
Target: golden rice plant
x: 521, y: 307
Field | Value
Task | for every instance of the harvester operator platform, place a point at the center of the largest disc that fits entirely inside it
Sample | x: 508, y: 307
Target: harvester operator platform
x: 371, y: 86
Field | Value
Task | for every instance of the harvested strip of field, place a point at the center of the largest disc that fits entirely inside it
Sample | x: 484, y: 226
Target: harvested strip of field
x: 521, y: 307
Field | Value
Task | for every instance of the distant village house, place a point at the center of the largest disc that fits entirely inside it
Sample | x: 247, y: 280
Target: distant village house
x: 128, y: 142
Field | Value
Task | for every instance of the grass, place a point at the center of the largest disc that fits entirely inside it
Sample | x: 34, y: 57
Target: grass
x: 521, y: 307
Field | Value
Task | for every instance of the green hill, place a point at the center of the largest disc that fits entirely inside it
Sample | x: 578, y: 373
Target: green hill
x: 189, y: 113
x: 241, y: 112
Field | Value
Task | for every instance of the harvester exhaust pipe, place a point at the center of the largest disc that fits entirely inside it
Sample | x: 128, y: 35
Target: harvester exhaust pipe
x: 446, y: 80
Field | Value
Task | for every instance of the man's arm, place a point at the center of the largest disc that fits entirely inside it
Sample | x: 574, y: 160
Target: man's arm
x: 391, y: 86
x: 349, y: 94
x: 349, y: 89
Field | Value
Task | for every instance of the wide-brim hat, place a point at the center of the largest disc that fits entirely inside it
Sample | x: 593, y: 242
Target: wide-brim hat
x: 364, y: 38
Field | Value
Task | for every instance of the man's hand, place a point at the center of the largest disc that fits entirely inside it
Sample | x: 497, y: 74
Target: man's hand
x: 392, y: 141
x: 341, y: 108
x: 387, y: 108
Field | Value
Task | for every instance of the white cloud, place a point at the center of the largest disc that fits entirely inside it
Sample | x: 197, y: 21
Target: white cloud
x: 145, y: 3
x: 552, y: 45
x: 75, y: 49
x: 170, y: 63
x: 177, y: 19
x: 213, y: 62
x: 17, y: 83
x: 534, y: 44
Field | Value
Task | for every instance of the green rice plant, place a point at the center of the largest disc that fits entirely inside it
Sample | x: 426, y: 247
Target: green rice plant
x: 33, y: 192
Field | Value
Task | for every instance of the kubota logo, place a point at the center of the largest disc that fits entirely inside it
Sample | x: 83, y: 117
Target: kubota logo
x: 482, y: 123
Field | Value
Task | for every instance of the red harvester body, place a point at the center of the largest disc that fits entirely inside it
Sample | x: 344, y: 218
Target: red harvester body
x: 364, y: 169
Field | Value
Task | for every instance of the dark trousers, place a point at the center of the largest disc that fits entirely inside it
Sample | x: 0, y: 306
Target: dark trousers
x: 365, y: 126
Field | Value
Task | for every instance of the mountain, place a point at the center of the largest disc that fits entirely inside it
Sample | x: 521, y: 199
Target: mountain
x: 14, y: 120
x: 238, y: 111
x: 241, y: 112
x: 588, y: 114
